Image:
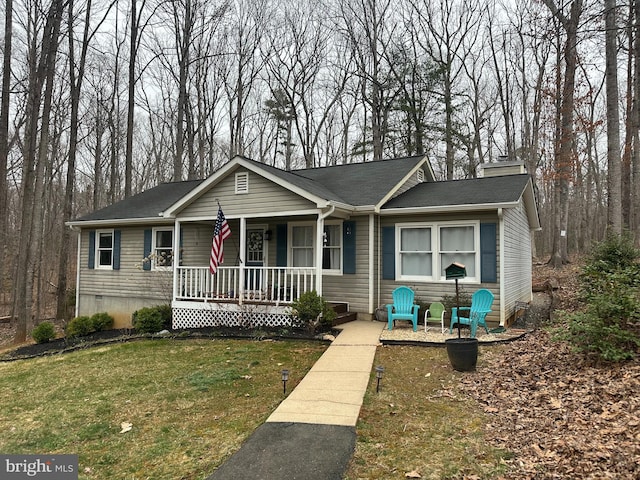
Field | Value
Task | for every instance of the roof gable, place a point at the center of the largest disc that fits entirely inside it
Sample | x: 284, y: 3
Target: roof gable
x: 473, y: 194
x: 145, y: 205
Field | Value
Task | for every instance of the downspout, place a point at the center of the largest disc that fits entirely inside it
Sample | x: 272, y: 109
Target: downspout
x: 319, y: 238
x: 379, y: 267
x: 501, y: 269
x: 176, y: 258
x: 371, y: 264
x: 242, y: 255
x: 77, y: 311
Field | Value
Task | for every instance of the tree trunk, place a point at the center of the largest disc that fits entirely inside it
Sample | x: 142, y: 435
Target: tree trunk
x: 614, y: 210
x: 4, y: 134
x: 565, y: 151
x: 37, y: 77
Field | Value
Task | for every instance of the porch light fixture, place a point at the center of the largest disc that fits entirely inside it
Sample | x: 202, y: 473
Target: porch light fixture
x: 285, y: 377
x: 267, y: 235
x: 379, y: 372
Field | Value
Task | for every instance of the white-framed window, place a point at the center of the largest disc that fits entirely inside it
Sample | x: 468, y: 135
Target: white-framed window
x: 242, y: 182
x: 162, y: 248
x: 458, y: 243
x: 424, y: 250
x: 332, y: 247
x: 104, y: 249
x: 301, y: 236
x: 415, y: 252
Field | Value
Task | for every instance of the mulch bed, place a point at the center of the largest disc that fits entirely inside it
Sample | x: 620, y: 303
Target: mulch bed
x: 63, y: 345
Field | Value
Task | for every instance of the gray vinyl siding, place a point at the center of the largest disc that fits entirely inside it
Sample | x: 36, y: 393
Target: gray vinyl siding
x: 353, y: 288
x: 196, y: 244
x: 264, y: 197
x: 517, y: 258
x: 434, y: 291
x: 409, y: 184
x: 120, y: 292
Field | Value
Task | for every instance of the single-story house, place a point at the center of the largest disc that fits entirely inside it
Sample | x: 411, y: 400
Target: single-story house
x: 351, y: 232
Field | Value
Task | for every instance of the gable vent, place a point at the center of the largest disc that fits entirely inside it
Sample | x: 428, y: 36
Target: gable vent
x: 420, y: 176
x: 242, y: 182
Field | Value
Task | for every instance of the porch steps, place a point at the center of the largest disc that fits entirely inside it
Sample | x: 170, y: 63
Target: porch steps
x: 344, y: 316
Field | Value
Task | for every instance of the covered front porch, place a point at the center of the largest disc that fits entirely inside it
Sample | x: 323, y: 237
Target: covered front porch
x: 269, y: 263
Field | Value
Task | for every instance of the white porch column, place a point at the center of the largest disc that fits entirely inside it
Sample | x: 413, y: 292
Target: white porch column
x: 242, y: 256
x: 319, y: 248
x: 176, y: 257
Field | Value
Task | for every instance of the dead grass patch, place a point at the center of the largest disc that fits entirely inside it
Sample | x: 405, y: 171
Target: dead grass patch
x: 419, y: 423
x: 191, y: 404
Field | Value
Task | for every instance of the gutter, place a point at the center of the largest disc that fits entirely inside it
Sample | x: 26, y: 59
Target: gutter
x: 468, y: 207
x: 119, y: 221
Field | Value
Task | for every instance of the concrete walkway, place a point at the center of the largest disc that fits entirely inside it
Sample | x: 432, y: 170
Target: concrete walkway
x: 311, y: 435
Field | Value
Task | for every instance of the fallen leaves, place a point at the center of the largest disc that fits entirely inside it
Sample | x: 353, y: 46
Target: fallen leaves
x: 559, y: 415
x: 125, y: 427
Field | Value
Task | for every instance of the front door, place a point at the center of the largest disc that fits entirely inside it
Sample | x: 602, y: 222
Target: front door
x: 255, y: 258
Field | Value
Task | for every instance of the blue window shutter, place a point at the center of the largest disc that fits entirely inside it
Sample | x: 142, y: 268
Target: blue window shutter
x: 349, y: 247
x: 281, y: 245
x: 146, y: 264
x: 92, y: 249
x: 116, y: 249
x: 389, y: 253
x: 488, y: 253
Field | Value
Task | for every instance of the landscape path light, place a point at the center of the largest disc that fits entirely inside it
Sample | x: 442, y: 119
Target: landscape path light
x: 379, y: 372
x: 285, y: 377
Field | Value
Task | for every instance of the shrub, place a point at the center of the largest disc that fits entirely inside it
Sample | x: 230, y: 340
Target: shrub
x: 101, y: 321
x: 43, y: 332
x: 166, y: 312
x: 307, y: 310
x: 610, y: 288
x: 149, y: 319
x: 79, y: 327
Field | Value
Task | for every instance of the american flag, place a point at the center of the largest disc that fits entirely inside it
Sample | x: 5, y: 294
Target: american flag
x: 220, y: 233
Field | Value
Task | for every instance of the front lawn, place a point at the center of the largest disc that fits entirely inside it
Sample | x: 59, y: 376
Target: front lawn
x: 189, y: 404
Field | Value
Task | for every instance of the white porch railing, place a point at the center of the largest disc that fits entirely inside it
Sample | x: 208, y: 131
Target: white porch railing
x: 260, y: 284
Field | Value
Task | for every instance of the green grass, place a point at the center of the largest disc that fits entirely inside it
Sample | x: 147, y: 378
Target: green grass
x: 420, y: 421
x: 191, y: 403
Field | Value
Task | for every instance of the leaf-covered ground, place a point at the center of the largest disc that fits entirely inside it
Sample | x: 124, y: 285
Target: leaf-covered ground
x: 563, y: 416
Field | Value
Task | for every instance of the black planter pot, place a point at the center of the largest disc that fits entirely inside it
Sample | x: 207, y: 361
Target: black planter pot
x: 463, y: 353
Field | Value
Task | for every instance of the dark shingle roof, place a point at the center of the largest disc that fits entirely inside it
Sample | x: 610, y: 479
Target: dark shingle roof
x: 477, y: 191
x: 355, y: 184
x: 147, y: 204
x: 362, y: 183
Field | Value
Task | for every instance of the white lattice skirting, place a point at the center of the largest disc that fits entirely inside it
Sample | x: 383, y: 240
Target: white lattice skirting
x: 200, y: 315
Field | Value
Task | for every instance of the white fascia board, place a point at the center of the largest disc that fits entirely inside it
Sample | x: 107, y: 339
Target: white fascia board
x: 391, y: 192
x: 529, y: 200
x: 224, y: 171
x: 119, y: 222
x: 448, y: 208
x: 338, y: 212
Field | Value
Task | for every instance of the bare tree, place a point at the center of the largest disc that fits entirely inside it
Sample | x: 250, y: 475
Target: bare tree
x: 41, y: 68
x: 614, y: 176
x: 445, y: 25
x: 564, y: 150
x: 4, y: 133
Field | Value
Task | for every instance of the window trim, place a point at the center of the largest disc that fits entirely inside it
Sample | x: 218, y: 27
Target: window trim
x: 97, y: 264
x: 340, y: 247
x: 154, y: 231
x: 436, y: 251
x: 314, y: 226
x: 290, y: 247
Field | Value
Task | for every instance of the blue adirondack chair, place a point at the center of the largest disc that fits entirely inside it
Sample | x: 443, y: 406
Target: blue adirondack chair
x: 402, y: 308
x: 481, y: 302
